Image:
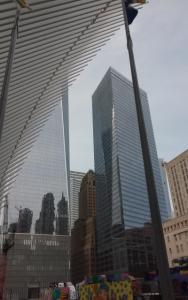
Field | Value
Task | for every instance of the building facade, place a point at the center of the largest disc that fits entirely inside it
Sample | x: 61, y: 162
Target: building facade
x: 176, y: 229
x: 121, y: 192
x: 75, y: 183
x: 38, y: 207
x: 166, y: 187
x: 46, y: 169
x: 176, y: 239
x: 83, y: 234
x: 87, y: 198
x: 36, y: 260
x: 177, y: 170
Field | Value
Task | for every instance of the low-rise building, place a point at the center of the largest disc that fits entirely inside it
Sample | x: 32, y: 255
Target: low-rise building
x: 35, y: 261
x: 176, y: 238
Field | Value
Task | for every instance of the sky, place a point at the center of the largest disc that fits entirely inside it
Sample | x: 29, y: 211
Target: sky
x: 160, y: 38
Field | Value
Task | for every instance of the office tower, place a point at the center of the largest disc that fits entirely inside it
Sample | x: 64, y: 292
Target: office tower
x: 25, y: 220
x: 83, y: 234
x: 45, y: 223
x: 87, y: 198
x: 75, y: 182
x: 62, y: 220
x: 46, y: 170
x: 38, y: 207
x: 177, y: 171
x: 165, y: 186
x: 123, y: 220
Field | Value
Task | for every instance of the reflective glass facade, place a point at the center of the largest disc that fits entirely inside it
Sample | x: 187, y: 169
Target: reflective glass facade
x: 38, y: 207
x: 45, y: 170
x: 165, y: 187
x: 75, y: 184
x: 124, y: 233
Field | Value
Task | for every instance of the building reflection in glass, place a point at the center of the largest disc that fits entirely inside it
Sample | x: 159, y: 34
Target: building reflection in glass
x: 38, y: 207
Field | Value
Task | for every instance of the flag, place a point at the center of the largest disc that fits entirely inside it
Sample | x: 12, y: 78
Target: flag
x: 137, y: 1
x: 141, y: 1
x: 23, y: 3
x: 131, y: 14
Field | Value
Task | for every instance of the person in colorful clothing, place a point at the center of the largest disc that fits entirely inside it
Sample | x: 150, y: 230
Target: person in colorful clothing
x: 65, y: 292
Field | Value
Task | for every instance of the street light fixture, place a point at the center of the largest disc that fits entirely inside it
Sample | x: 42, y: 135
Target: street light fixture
x: 164, y: 274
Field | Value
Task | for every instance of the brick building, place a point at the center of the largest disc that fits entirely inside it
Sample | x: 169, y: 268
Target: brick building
x: 87, y: 198
x: 83, y: 235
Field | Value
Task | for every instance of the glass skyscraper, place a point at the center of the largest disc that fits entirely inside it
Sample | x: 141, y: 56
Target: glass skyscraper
x: 38, y: 207
x: 165, y: 186
x: 75, y: 184
x: 46, y: 170
x: 124, y: 230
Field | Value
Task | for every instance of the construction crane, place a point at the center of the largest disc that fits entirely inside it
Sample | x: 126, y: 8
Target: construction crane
x: 18, y: 208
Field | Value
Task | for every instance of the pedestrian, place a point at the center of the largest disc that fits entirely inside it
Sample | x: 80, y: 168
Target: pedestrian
x: 66, y: 292
x: 56, y: 292
x: 45, y: 294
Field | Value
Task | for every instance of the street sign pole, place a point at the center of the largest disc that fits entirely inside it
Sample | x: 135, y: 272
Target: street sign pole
x: 162, y: 260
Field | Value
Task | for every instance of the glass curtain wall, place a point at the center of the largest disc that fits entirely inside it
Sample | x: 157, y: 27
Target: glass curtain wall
x: 38, y: 209
x: 124, y: 231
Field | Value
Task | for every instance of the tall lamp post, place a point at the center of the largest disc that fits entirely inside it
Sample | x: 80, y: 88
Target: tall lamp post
x: 162, y: 260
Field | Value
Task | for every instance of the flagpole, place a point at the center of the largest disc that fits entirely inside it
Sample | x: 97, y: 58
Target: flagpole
x: 162, y: 260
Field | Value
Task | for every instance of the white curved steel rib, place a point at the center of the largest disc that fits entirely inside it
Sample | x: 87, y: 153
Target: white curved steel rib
x: 56, y: 41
